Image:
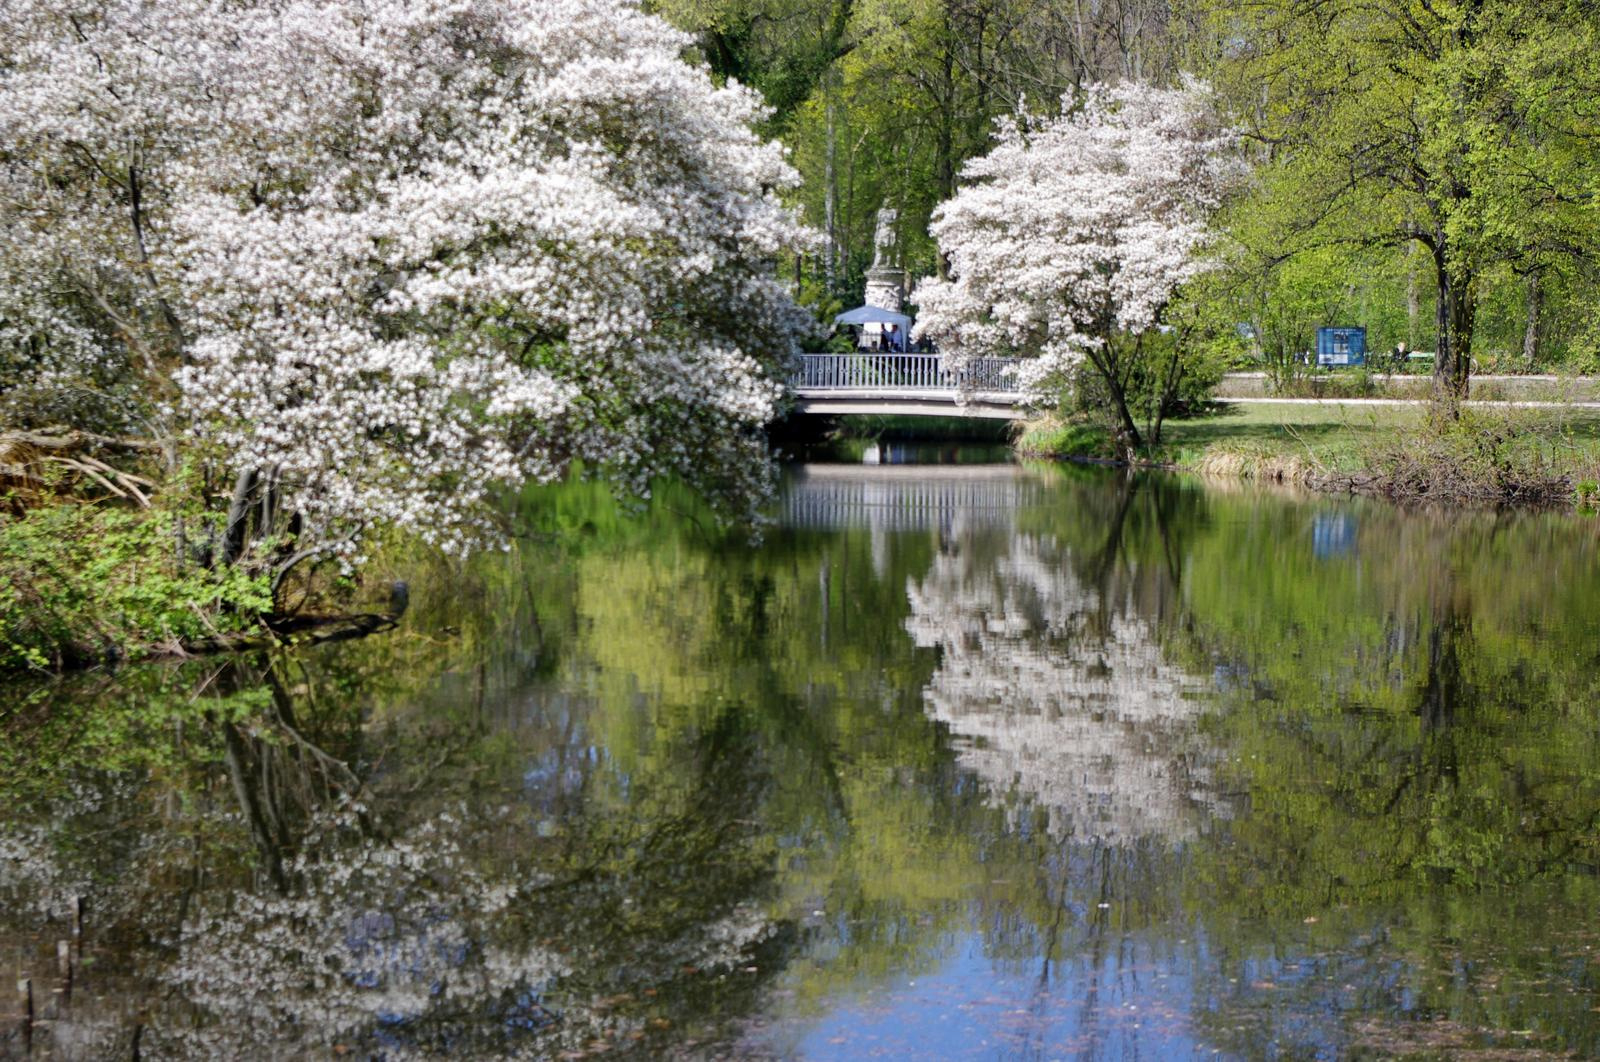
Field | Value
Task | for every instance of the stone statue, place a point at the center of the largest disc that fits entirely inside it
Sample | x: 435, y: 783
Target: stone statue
x: 883, y: 242
x: 886, y: 281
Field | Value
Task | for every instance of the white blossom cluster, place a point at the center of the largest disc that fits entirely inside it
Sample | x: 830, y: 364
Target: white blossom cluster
x: 401, y: 254
x: 1078, y: 227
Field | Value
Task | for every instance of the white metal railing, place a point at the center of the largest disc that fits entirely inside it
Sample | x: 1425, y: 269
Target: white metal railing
x: 901, y: 372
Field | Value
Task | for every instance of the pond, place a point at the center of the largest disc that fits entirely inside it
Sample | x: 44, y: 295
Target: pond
x: 961, y: 760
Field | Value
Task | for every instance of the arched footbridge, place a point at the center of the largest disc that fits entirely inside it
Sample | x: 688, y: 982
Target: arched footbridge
x: 906, y: 385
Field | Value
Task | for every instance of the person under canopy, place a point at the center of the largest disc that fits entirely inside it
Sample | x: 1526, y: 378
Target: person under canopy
x: 892, y: 329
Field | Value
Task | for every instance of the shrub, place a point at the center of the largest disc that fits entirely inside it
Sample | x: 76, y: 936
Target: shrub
x: 81, y: 584
x: 1316, y: 384
x: 1057, y: 439
x: 1480, y: 457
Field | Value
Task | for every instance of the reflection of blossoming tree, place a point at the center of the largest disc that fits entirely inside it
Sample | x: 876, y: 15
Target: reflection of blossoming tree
x: 385, y: 922
x: 1060, y: 699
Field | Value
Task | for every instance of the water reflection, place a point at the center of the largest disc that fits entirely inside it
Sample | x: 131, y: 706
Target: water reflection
x: 946, y: 498
x: 1058, y: 698
x: 291, y: 906
x: 961, y: 762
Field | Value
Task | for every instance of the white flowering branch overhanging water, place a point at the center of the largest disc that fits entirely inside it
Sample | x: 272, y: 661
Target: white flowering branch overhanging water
x: 392, y: 258
x: 1077, y: 230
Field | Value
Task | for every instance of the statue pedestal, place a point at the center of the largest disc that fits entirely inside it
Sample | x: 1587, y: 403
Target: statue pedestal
x: 886, y: 288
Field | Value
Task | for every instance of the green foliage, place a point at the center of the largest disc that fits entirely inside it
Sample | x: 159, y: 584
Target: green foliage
x: 1284, y: 302
x: 80, y: 584
x: 824, y: 305
x: 1424, y: 170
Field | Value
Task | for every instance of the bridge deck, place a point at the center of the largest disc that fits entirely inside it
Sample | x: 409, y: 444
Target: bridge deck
x: 905, y: 384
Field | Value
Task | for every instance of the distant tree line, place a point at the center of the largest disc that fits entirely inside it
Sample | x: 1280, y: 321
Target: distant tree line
x: 1427, y: 170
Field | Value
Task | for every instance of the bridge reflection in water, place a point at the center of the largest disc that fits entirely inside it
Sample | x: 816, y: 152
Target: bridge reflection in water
x: 908, y: 497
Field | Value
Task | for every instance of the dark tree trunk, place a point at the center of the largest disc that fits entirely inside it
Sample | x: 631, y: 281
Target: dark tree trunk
x: 1169, y: 389
x: 1128, y: 440
x: 1113, y: 373
x: 830, y: 189
x: 945, y: 167
x: 236, y: 532
x: 945, y: 138
x: 1530, y: 334
x: 1413, y: 297
x: 1454, y: 317
x: 1445, y: 685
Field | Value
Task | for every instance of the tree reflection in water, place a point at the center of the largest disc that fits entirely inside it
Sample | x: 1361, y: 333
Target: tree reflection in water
x: 1061, y: 699
x: 1104, y: 766
x: 318, y: 910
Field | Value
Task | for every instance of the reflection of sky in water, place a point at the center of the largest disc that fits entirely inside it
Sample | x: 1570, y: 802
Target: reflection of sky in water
x: 1134, y: 1001
x: 1129, y: 996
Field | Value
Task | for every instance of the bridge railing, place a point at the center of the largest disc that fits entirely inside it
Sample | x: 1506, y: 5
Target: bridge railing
x: 901, y: 372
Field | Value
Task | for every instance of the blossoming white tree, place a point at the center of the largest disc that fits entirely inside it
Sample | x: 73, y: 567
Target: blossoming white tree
x: 1074, y: 233
x: 382, y: 259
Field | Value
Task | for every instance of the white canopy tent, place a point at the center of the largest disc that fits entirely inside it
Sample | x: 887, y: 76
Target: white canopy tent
x: 864, y: 315
x: 874, y: 322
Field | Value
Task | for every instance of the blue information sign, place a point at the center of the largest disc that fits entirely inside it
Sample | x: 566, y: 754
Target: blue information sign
x: 1341, y: 346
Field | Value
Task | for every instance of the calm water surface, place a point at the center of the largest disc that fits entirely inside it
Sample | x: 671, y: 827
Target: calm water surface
x: 962, y: 761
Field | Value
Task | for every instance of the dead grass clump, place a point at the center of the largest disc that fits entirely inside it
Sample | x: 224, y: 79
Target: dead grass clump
x: 1492, y: 459
x: 1266, y: 466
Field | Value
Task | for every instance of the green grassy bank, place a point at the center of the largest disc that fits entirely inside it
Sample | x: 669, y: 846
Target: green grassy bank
x: 83, y: 584
x: 1539, y: 456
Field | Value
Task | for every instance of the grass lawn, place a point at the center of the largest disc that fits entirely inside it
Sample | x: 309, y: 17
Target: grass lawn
x: 1288, y: 440
x: 1335, y: 435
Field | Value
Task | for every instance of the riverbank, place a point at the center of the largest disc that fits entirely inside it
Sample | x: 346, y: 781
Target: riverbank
x: 83, y: 585
x: 1356, y: 383
x: 1494, y: 454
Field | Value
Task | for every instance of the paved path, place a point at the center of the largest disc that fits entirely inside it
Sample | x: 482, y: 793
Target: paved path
x: 1423, y: 377
x: 1471, y: 402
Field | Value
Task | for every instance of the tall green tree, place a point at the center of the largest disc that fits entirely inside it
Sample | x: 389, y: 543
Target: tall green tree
x: 883, y: 101
x: 1464, y: 126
